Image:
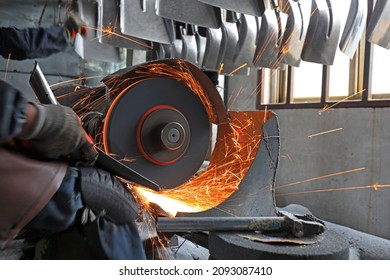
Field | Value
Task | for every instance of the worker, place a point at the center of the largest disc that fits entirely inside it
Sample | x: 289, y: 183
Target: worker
x: 39, y: 42
x: 46, y: 164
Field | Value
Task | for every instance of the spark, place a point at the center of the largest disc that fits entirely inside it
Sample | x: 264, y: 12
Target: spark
x: 220, y: 69
x: 325, y: 132
x: 375, y: 187
x: 110, y: 31
x: 6, y: 67
x: 236, y: 148
x: 237, y: 69
x: 322, y: 177
x: 75, y: 80
x: 326, y: 108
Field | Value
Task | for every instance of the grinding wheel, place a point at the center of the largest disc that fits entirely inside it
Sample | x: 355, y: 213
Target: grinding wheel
x: 159, y: 128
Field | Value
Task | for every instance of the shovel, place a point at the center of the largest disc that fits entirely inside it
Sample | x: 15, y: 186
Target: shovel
x: 190, y: 48
x: 323, y: 33
x: 354, y: 27
x: 89, y: 47
x: 249, y: 7
x: 190, y: 11
x: 378, y: 29
x: 201, y: 40
x: 211, y: 53
x: 296, y: 29
x: 273, y: 24
x: 139, y: 19
x: 108, y: 19
x: 247, y: 35
x: 228, y: 45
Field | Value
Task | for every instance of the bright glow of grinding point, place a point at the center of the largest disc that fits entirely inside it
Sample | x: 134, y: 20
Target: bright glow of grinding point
x: 169, y: 205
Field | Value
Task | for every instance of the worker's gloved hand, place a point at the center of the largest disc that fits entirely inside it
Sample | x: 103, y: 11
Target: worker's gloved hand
x: 74, y: 25
x: 57, y: 132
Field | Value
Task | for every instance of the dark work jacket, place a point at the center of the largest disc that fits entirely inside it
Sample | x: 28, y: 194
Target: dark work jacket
x: 35, y: 204
x: 30, y: 43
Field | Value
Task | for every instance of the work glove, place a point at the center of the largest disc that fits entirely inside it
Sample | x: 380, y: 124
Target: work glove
x: 58, y: 133
x: 74, y: 25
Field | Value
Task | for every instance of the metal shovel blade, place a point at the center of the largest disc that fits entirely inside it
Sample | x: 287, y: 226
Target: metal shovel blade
x: 249, y: 7
x: 190, y: 49
x: 354, y: 27
x: 109, y: 31
x: 323, y: 34
x: 247, y: 36
x: 296, y: 30
x: 213, y: 45
x: 201, y: 42
x: 272, y: 28
x: 228, y: 46
x: 88, y: 47
x: 378, y: 29
x: 190, y: 11
x: 139, y: 19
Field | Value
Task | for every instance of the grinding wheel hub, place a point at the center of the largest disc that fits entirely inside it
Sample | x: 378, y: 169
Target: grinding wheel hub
x: 163, y: 135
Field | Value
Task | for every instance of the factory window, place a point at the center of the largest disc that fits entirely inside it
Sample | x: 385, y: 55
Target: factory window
x: 358, y: 82
x: 380, y: 85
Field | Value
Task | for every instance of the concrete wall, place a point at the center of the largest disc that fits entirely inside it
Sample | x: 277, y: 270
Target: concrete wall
x: 360, y: 141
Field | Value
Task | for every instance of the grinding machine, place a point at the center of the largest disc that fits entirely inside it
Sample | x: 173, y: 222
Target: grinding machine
x: 198, y: 170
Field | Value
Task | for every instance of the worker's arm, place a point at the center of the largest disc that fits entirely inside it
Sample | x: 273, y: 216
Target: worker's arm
x: 51, y: 131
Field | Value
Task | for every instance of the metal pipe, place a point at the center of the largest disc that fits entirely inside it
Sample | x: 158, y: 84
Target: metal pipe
x: 197, y: 224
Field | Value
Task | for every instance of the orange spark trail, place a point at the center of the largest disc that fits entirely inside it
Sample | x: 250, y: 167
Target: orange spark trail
x: 109, y: 31
x: 325, y: 132
x: 375, y: 187
x: 322, y: 177
x: 6, y: 67
x: 337, y: 103
x: 238, y: 68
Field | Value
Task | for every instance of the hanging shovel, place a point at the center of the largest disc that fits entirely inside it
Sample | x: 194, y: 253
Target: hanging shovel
x: 190, y: 48
x: 378, y: 29
x: 229, y: 43
x: 250, y: 7
x: 139, y: 19
x: 247, y: 35
x: 273, y: 24
x: 201, y: 41
x: 323, y: 33
x: 354, y: 27
x: 88, y: 47
x: 190, y: 11
x: 109, y: 31
x: 213, y: 45
x: 296, y: 29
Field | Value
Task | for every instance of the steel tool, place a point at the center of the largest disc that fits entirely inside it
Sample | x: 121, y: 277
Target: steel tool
x: 322, y: 37
x: 299, y: 226
x: 378, y: 29
x: 354, y: 27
